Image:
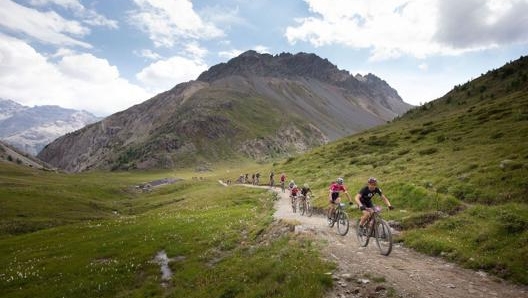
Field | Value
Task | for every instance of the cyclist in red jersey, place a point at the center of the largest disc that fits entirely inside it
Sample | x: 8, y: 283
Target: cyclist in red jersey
x: 282, y: 181
x: 333, y: 196
x: 294, y: 191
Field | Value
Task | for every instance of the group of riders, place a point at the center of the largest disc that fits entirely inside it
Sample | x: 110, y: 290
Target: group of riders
x: 363, y: 198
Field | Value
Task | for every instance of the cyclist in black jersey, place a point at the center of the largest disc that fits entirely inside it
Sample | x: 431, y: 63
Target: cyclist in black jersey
x: 364, y: 199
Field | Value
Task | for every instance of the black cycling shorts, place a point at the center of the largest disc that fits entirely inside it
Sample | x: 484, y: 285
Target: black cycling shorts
x: 335, y: 195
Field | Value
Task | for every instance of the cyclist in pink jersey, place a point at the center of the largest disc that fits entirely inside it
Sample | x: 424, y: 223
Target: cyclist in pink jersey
x: 333, y: 196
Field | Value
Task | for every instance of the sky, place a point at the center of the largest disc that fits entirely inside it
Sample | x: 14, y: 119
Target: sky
x: 104, y: 56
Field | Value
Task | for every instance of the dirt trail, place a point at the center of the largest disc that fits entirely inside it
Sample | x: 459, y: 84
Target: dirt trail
x: 361, y: 270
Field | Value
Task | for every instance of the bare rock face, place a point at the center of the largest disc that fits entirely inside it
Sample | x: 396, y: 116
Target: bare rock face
x: 255, y: 106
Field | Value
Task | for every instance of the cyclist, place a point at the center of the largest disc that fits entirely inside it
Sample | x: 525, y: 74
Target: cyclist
x: 271, y: 180
x: 333, y: 196
x: 305, y: 189
x: 364, y: 199
x: 294, y: 191
x: 282, y: 181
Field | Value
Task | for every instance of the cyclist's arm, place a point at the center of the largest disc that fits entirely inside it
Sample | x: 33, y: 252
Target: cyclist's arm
x: 357, y: 199
x: 348, y: 196
x: 386, y: 200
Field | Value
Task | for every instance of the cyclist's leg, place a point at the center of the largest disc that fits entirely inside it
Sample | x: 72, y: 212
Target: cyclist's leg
x: 330, y: 206
x: 334, y: 199
x: 366, y: 213
x: 364, y: 217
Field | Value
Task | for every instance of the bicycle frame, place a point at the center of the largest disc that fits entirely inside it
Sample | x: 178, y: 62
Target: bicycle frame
x: 341, y: 218
x: 378, y: 228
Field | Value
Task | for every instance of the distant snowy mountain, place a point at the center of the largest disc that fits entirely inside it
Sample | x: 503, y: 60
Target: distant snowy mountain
x: 30, y: 129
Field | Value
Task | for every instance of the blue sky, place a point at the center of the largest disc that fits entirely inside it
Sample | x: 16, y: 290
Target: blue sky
x: 104, y: 56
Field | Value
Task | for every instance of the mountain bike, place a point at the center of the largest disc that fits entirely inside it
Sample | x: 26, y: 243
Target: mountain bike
x: 305, y: 205
x: 341, y: 218
x: 282, y: 186
x: 378, y: 228
x: 294, y: 200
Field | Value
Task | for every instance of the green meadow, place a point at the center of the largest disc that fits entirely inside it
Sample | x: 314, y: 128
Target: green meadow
x: 95, y: 235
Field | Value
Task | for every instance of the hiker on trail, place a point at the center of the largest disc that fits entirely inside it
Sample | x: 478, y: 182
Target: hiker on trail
x: 257, y: 176
x: 333, y: 196
x: 271, y: 181
x: 253, y: 178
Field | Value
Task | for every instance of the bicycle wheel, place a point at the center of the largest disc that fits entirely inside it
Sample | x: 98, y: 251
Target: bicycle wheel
x: 309, y: 208
x: 333, y: 219
x: 362, y: 234
x: 294, y: 206
x: 383, y: 237
x: 342, y: 223
x: 302, y: 207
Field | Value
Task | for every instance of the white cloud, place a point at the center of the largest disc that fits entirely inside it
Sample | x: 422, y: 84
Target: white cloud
x: 169, y: 21
x: 165, y: 74
x: 230, y: 54
x: 261, y: 49
x: 47, y: 27
x: 234, y: 53
x: 482, y: 24
x: 149, y: 54
x: 194, y: 50
x: 89, y: 16
x: 418, y: 28
x: 79, y: 81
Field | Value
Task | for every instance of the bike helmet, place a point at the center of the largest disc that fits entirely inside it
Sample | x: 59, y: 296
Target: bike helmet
x: 306, y: 185
x: 339, y: 180
x: 372, y: 180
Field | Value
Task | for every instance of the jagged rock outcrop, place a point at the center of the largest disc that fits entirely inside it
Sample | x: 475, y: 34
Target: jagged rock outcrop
x: 254, y: 106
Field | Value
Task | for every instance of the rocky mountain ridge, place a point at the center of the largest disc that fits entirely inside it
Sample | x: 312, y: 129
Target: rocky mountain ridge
x: 255, y: 106
x: 29, y: 129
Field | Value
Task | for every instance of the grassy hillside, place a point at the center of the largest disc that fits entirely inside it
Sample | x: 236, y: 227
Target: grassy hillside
x: 91, y: 235
x: 456, y: 168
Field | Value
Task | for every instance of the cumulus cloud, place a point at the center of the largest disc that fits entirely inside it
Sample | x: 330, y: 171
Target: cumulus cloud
x: 47, y: 27
x: 478, y: 24
x: 165, y: 74
x: 88, y: 16
x: 79, y: 81
x: 230, y: 54
x: 416, y: 28
x: 149, y: 54
x: 234, y: 53
x: 168, y: 22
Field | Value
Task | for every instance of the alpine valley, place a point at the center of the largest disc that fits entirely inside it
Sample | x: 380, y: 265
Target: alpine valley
x: 255, y: 106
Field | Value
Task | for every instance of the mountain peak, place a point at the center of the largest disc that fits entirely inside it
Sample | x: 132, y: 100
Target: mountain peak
x: 251, y: 63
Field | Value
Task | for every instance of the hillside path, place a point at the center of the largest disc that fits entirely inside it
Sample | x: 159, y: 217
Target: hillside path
x: 410, y: 273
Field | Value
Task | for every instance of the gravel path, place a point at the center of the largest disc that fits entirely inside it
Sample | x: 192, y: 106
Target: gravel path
x: 364, y: 272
